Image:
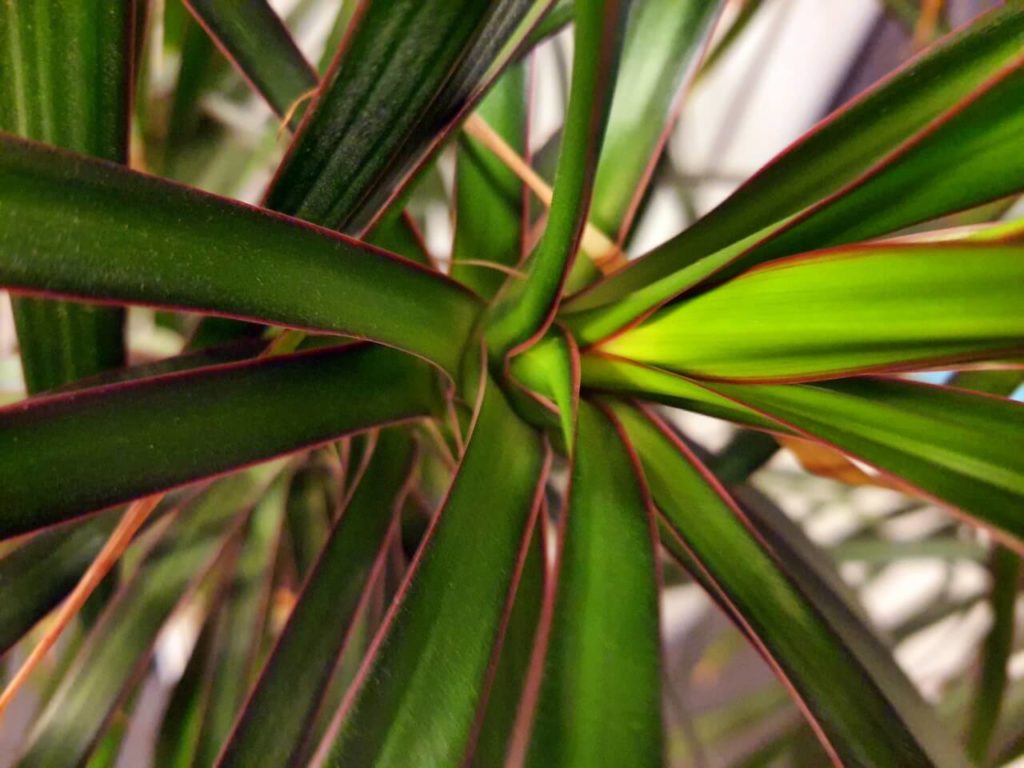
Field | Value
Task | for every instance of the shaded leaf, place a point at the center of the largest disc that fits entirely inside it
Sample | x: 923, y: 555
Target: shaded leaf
x: 405, y: 73
x: 120, y: 643
x: 888, y: 118
x: 260, y: 47
x: 67, y: 82
x: 295, y: 677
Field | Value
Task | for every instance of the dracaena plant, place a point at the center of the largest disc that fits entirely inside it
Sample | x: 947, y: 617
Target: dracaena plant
x: 417, y: 516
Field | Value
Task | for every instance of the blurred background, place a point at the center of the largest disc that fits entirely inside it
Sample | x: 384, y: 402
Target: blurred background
x: 773, y: 69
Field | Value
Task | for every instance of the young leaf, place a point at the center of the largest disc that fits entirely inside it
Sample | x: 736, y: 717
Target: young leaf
x: 294, y: 679
x: 139, y: 239
x: 421, y: 690
x: 66, y: 81
x: 862, y: 707
x: 854, y: 309
x: 66, y: 455
x: 600, y: 695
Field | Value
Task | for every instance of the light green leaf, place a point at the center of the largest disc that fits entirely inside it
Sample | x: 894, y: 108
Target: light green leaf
x: 935, y: 439
x: 855, y: 309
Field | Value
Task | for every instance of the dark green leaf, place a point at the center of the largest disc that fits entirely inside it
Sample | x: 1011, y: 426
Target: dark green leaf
x: 405, y: 73
x: 864, y: 709
x: 294, y: 680
x: 70, y: 454
x: 259, y: 45
x: 600, y: 696
x: 240, y: 622
x: 66, y: 81
x: 139, y: 239
x: 120, y: 643
x: 418, y: 698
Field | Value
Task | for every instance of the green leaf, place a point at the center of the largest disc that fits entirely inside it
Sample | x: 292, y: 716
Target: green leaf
x: 294, y: 679
x: 606, y: 374
x: 1005, y: 570
x: 551, y: 370
x: 419, y: 696
x: 935, y: 439
x: 120, y: 642
x: 66, y: 455
x: 490, y: 202
x: 139, y: 239
x: 406, y: 72
x: 240, y: 622
x: 855, y: 309
x: 178, y: 739
x: 261, y: 48
x: 600, y: 696
x: 837, y: 152
x: 663, y: 38
x: 863, y: 708
x: 37, y: 575
x: 499, y: 718
x: 66, y: 81
x: 528, y: 307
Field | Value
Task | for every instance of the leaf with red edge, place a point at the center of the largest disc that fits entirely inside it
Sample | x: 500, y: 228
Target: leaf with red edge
x: 863, y: 708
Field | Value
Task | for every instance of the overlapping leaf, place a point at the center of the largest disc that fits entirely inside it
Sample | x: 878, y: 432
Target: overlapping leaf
x: 419, y: 696
x: 936, y: 439
x: 75, y: 714
x: 944, y: 105
x: 864, y: 709
x: 405, y: 73
x: 295, y: 677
